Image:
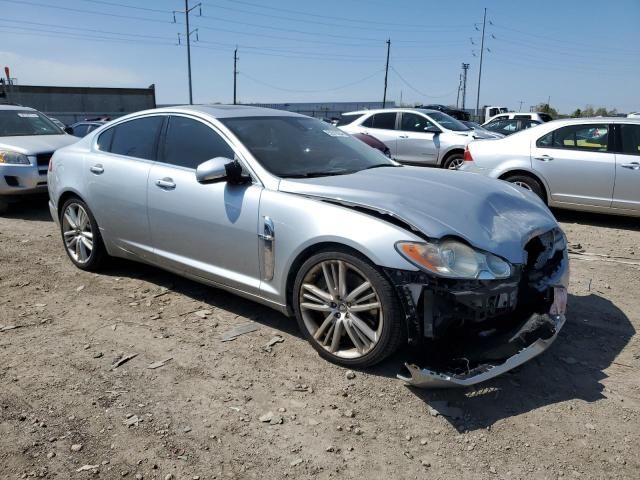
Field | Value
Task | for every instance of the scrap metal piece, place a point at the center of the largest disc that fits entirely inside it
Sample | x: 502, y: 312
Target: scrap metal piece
x: 241, y: 329
x: 426, y: 378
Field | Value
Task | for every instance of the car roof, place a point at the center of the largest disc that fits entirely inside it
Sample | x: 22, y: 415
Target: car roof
x: 571, y: 121
x: 394, y: 110
x: 16, y: 107
x: 224, y: 111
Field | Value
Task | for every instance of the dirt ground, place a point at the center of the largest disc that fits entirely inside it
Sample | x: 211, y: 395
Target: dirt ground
x: 574, y: 412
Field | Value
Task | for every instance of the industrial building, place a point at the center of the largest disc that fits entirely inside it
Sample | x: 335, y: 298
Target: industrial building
x: 72, y: 104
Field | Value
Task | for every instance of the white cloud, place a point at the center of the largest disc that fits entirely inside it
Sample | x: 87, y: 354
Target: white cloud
x: 40, y: 71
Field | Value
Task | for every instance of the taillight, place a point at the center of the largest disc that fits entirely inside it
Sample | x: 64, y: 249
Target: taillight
x: 467, y: 155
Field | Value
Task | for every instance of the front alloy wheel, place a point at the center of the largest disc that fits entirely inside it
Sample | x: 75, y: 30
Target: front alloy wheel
x: 347, y: 309
x: 81, y: 236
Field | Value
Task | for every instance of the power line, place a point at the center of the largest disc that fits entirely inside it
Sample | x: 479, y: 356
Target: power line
x: 275, y: 87
x: 415, y: 89
x: 123, y: 5
x: 307, y: 14
x: 366, y: 26
x: 79, y: 10
x: 69, y: 27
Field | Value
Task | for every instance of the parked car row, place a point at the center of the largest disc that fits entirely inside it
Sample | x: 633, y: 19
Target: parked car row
x: 472, y: 269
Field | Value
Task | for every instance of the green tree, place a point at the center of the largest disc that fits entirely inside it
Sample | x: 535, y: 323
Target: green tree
x: 577, y: 113
x: 546, y: 108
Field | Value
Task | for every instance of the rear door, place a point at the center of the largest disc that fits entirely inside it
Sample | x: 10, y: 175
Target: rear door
x: 577, y: 164
x: 383, y: 127
x: 414, y: 145
x: 208, y: 230
x: 626, y: 193
x: 117, y: 173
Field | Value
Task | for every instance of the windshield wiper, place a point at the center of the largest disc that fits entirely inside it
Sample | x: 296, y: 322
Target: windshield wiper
x: 381, y: 165
x: 318, y: 174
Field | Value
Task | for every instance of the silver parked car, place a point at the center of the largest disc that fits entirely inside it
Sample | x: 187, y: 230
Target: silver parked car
x: 590, y: 164
x: 294, y: 213
x: 414, y: 135
x: 28, y: 138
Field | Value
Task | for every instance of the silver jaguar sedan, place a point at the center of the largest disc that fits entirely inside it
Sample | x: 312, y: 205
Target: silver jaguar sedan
x: 294, y: 213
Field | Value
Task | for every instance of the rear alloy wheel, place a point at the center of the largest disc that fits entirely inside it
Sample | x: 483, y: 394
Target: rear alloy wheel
x: 347, y: 310
x: 528, y: 183
x: 453, y: 162
x: 81, y: 236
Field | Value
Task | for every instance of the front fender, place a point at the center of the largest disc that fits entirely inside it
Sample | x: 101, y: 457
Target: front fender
x: 301, y: 222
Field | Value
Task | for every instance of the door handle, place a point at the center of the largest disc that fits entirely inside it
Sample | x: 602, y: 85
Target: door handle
x: 97, y: 169
x: 403, y: 136
x: 544, y: 158
x: 166, y: 183
x: 631, y: 166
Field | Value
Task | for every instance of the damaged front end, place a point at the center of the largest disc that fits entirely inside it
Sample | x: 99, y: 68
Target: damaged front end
x: 475, y: 330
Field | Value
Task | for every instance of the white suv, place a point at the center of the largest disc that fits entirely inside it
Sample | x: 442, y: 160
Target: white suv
x: 414, y: 135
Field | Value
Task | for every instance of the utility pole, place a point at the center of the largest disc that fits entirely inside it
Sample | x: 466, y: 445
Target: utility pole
x: 520, y: 107
x: 386, y: 74
x: 459, y: 88
x: 484, y: 23
x: 235, y: 73
x: 186, y: 13
x: 465, y: 68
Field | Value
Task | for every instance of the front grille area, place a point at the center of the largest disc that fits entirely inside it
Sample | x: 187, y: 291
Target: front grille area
x: 43, y: 159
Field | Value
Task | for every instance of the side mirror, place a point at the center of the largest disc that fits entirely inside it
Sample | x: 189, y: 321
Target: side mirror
x: 432, y: 129
x: 68, y: 130
x: 221, y: 169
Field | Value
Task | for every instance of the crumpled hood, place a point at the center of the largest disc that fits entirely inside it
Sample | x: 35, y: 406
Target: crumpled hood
x: 489, y: 214
x: 35, y: 144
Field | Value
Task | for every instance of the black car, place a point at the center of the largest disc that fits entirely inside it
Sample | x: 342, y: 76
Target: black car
x: 453, y: 112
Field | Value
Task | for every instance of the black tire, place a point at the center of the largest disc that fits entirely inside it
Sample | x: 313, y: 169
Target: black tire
x: 529, y: 183
x: 451, y: 160
x: 98, y: 253
x: 392, y: 330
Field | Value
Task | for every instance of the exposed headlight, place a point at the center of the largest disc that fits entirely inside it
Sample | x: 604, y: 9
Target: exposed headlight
x: 13, y: 158
x: 454, y: 259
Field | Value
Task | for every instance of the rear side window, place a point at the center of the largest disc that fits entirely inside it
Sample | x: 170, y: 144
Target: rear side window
x: 384, y: 121
x: 348, y: 119
x: 546, y: 117
x: 136, y: 138
x: 189, y: 142
x: 522, y: 116
x: 630, y: 135
x: 593, y: 137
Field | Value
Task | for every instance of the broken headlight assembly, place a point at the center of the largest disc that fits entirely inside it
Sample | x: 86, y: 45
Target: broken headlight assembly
x: 454, y: 259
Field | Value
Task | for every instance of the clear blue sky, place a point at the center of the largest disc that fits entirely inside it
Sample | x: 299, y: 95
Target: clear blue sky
x: 575, y: 51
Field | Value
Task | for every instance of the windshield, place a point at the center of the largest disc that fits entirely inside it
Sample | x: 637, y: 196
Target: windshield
x: 304, y: 147
x: 15, y: 123
x: 448, y: 122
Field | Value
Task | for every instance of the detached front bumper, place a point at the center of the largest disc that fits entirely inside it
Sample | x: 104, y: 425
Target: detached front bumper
x: 469, y: 331
x: 538, y: 333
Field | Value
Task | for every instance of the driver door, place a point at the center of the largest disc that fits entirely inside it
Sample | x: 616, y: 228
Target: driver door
x: 206, y: 230
x: 414, y: 144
